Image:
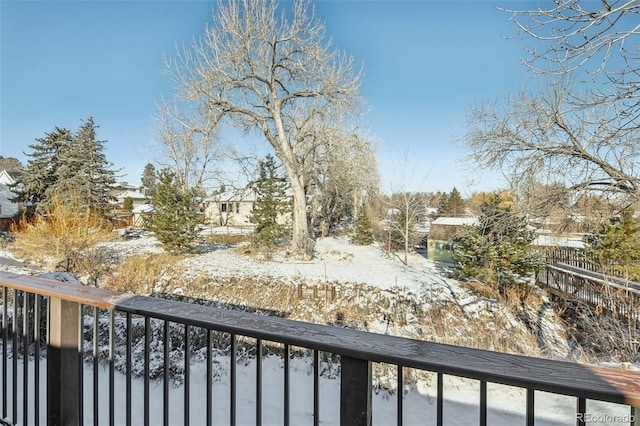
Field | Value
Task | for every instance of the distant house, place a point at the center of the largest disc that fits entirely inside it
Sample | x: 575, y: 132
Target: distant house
x: 8, y: 209
x: 442, y: 234
x: 230, y: 208
x: 234, y: 208
x: 123, y: 190
x: 137, y: 198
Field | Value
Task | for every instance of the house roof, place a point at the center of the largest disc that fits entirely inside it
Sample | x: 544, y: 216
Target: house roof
x: 246, y: 195
x: 144, y: 208
x: 448, y: 228
x: 5, y: 178
x: 455, y: 221
x: 553, y: 241
x: 134, y: 195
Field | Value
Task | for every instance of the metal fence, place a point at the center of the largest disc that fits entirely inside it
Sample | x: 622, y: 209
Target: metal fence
x: 54, y: 336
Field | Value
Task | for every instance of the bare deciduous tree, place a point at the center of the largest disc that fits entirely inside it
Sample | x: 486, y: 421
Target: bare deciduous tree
x: 580, y: 131
x: 341, y: 177
x: 274, y: 73
x: 404, y: 207
x: 189, y: 144
x: 546, y: 138
x: 597, y: 38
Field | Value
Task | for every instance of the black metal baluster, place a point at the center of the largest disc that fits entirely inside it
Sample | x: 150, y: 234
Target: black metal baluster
x: 128, y: 368
x: 232, y: 378
x: 483, y: 403
x: 531, y: 401
x: 25, y: 358
x: 112, y: 338
x: 581, y: 409
x: 36, y: 365
x: 14, y: 372
x: 258, y: 382
x: 209, y: 380
x: 5, y: 332
x: 96, y: 337
x: 187, y: 373
x: 316, y: 388
x: 287, y: 385
x: 440, y: 400
x: 400, y: 386
x: 80, y: 364
x: 147, y: 342
x: 165, y: 389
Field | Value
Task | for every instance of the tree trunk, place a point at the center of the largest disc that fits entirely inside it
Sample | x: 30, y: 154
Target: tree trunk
x: 300, y: 242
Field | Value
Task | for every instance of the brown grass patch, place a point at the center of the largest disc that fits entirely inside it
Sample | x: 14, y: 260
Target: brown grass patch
x: 146, y: 274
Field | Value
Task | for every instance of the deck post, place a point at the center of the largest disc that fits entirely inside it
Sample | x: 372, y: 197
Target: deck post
x: 63, y: 364
x: 355, y: 392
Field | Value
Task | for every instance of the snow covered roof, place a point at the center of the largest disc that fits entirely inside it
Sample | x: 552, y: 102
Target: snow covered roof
x: 135, y: 195
x: 235, y: 196
x: 144, y: 208
x: 5, y: 178
x: 455, y: 221
x: 551, y: 241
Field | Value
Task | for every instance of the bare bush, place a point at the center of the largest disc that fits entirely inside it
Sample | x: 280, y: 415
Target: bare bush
x: 65, y: 230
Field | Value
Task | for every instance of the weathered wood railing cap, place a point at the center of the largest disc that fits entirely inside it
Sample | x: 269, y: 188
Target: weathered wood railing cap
x: 522, y: 371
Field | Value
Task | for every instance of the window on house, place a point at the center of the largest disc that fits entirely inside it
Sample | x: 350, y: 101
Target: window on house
x: 223, y: 207
x: 237, y: 207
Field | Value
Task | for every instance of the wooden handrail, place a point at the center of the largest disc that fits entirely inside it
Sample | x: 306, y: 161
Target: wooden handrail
x: 560, y: 377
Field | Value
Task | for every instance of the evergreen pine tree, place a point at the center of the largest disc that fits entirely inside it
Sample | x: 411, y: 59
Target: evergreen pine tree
x: 498, y: 250
x: 452, y: 204
x: 615, y: 246
x: 271, y: 202
x: 42, y: 168
x: 84, y: 169
x: 65, y: 165
x: 364, y: 232
x: 149, y: 179
x: 175, y: 218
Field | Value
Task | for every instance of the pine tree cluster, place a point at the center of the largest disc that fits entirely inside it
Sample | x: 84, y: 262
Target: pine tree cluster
x: 65, y: 165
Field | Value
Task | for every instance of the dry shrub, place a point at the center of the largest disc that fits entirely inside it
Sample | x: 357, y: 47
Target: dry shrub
x: 226, y: 238
x: 146, y: 274
x: 482, y: 289
x: 65, y: 230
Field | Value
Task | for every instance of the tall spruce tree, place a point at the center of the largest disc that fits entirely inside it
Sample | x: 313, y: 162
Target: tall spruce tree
x: 84, y: 171
x: 149, y: 179
x: 175, y: 218
x: 452, y: 204
x: 65, y: 165
x: 271, y: 202
x: 41, y: 172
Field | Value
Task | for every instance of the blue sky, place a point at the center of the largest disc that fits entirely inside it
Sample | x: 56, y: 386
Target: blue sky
x: 425, y: 62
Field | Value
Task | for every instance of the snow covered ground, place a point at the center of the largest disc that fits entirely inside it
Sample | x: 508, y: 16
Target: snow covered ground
x: 506, y: 405
x: 336, y: 260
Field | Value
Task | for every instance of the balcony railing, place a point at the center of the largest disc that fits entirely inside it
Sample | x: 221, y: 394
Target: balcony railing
x: 80, y: 355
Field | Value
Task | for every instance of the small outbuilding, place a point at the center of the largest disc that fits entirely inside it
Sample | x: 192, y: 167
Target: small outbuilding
x: 442, y: 234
